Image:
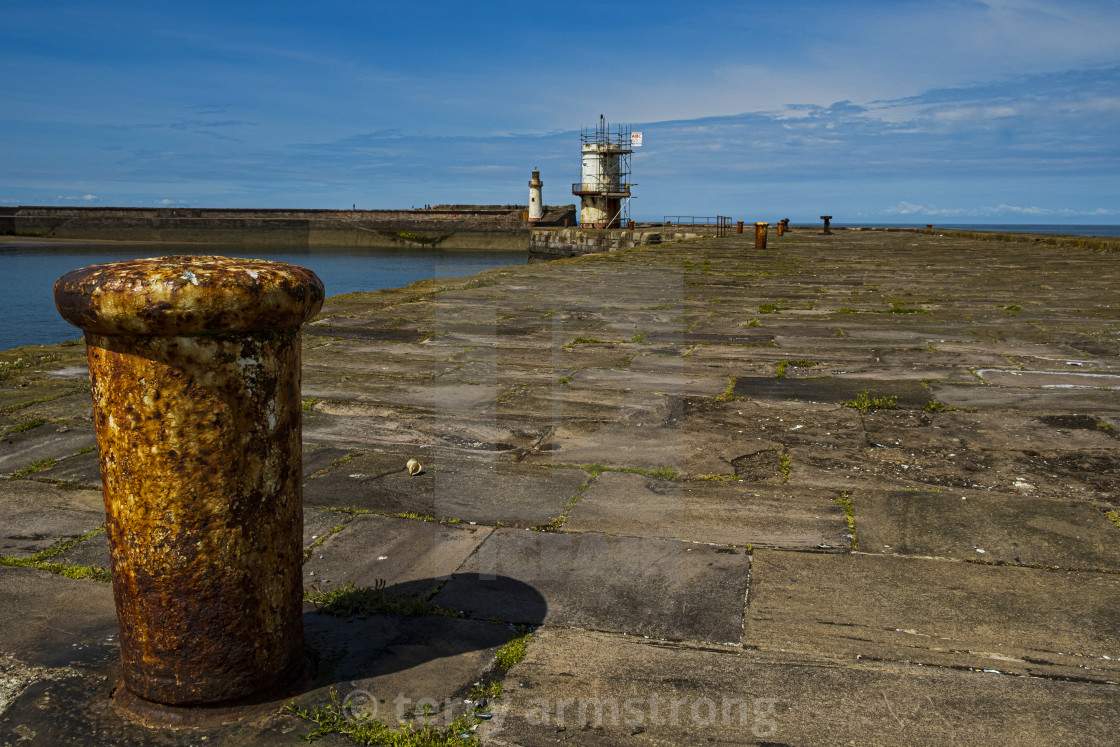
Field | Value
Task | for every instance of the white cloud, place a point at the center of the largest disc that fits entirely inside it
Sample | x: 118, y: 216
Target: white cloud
x: 1033, y: 211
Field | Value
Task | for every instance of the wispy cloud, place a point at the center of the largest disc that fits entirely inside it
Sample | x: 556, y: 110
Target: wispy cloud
x: 994, y: 108
x: 903, y: 208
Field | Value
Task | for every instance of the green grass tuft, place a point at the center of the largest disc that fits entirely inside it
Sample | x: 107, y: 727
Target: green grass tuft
x: 27, y: 425
x: 352, y: 601
x: 864, y: 401
x: 37, y: 466
x: 664, y: 472
x: 338, y: 718
x: 514, y: 650
x: 849, y: 515
x: 780, y: 371
x: 41, y: 561
x: 728, y: 393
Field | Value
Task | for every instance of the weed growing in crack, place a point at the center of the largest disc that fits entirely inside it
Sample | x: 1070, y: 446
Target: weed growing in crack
x: 864, y: 401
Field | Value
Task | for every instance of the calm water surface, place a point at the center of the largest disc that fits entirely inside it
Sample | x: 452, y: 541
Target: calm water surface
x: 28, y: 273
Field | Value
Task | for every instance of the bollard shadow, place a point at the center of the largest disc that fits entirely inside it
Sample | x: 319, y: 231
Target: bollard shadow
x: 363, y: 633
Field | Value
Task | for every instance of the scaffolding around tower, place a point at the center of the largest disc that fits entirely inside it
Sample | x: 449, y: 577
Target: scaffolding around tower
x: 604, y: 186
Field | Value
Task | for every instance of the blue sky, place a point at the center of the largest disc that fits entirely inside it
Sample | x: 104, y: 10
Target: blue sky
x: 944, y: 111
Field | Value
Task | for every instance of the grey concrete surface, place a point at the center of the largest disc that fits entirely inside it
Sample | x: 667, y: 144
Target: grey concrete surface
x: 852, y: 489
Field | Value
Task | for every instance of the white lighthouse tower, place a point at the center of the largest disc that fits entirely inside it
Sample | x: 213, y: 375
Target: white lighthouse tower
x: 604, y: 187
x: 536, y: 204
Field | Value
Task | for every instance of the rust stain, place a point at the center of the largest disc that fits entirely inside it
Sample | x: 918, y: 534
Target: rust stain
x: 195, y: 373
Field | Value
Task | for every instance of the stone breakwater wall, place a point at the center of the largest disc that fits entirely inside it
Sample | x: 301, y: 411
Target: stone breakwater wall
x: 557, y: 243
x: 445, y: 226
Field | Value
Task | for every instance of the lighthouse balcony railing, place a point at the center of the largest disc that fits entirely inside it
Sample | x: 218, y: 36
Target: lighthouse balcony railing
x: 602, y: 188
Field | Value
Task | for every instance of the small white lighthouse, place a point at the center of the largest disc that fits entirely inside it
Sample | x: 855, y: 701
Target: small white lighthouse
x: 536, y: 205
x: 604, y: 187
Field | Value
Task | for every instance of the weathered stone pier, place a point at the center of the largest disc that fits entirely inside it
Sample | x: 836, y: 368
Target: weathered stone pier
x: 854, y: 488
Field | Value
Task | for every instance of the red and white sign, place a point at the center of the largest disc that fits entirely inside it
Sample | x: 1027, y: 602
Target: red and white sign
x: 635, y: 140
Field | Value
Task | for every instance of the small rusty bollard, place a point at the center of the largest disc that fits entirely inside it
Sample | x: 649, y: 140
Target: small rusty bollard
x: 826, y: 219
x: 739, y: 227
x: 760, y: 235
x: 929, y: 226
x: 194, y: 367
x: 781, y: 228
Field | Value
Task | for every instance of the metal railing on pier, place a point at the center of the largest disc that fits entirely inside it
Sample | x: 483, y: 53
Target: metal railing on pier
x: 693, y: 220
x: 722, y: 223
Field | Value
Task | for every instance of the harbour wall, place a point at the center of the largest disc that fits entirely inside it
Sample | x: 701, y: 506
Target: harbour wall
x: 557, y: 243
x: 445, y: 226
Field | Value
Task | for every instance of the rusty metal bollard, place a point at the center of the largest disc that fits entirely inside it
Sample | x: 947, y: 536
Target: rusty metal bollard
x: 781, y: 228
x: 739, y: 227
x: 826, y: 219
x: 194, y: 366
x: 760, y: 235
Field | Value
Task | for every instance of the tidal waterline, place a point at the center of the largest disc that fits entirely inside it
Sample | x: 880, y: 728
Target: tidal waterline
x: 28, y: 272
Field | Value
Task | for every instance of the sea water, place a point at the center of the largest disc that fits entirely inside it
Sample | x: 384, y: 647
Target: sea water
x: 28, y: 273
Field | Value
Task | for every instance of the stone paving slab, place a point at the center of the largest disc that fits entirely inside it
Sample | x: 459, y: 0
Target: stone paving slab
x: 645, y: 445
x: 35, y: 516
x: 661, y: 381
x: 75, y: 409
x: 355, y: 426
x: 349, y: 426
x: 480, y: 490
x: 47, y: 619
x: 832, y: 389
x: 16, y: 398
x: 47, y: 441
x: 560, y: 403
x: 77, y: 469
x: 414, y: 556
x: 1077, y: 474
x: 993, y: 397
x: 641, y: 586
x: 92, y: 552
x: 985, y: 526
x: 1023, y: 621
x: 1007, y: 430
x: 590, y: 688
x: 723, y: 513
x: 317, y: 457
x: 390, y: 665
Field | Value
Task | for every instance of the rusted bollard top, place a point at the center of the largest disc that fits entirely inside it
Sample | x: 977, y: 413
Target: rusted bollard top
x: 187, y: 295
